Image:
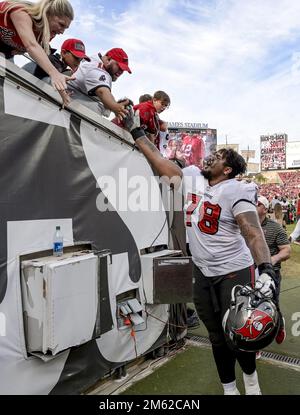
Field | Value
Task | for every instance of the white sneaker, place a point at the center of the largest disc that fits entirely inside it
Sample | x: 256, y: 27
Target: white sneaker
x: 253, y: 390
x: 230, y: 388
x: 251, y: 384
x: 232, y: 392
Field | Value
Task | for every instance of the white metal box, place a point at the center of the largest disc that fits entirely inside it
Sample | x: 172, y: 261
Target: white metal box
x: 60, y: 301
x: 167, y: 277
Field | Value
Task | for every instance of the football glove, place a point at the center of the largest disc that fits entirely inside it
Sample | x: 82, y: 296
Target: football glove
x: 266, y: 282
x: 132, y: 123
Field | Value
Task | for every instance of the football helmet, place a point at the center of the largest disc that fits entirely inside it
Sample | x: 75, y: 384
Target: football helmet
x: 251, y: 321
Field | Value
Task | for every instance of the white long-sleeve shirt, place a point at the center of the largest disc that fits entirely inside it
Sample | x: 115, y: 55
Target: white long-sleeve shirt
x: 296, y: 232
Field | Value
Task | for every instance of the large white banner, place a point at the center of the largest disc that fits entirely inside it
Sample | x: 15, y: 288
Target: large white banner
x: 293, y: 155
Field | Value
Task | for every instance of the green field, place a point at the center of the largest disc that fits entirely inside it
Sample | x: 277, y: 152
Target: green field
x: 193, y: 372
x: 291, y: 268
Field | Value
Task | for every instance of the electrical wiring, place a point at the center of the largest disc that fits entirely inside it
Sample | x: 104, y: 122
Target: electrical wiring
x: 171, y: 352
x: 165, y: 322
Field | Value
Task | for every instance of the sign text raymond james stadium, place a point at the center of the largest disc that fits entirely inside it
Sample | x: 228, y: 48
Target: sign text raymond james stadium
x: 187, y: 125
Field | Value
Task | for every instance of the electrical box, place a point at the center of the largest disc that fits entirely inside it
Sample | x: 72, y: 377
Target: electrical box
x: 129, y: 313
x: 167, y: 277
x: 60, y: 301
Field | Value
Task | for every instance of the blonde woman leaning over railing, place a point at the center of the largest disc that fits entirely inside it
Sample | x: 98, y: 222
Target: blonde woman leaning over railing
x: 29, y: 27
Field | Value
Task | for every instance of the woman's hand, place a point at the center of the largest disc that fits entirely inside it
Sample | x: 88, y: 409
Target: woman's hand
x: 65, y: 97
x: 59, y: 81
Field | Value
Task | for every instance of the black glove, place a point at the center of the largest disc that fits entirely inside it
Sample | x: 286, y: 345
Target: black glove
x: 130, y: 102
x: 132, y: 123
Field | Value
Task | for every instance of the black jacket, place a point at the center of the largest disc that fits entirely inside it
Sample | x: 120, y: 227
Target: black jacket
x: 38, y: 72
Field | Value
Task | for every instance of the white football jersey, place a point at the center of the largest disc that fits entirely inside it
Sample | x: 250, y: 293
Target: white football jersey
x: 216, y: 243
x: 89, y: 76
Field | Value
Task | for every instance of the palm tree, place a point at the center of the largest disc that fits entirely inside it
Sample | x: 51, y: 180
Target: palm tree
x: 260, y: 178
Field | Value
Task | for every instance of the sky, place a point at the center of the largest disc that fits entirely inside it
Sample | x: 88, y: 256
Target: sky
x: 233, y: 64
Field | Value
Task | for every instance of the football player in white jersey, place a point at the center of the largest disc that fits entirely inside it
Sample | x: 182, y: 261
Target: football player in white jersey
x: 295, y: 234
x: 225, y: 236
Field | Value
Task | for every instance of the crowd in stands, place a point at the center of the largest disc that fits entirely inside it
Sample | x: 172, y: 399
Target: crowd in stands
x: 287, y: 194
x: 291, y: 183
x: 289, y: 188
x: 270, y: 190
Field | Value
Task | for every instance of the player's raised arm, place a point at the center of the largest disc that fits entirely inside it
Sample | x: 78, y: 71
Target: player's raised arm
x: 163, y: 166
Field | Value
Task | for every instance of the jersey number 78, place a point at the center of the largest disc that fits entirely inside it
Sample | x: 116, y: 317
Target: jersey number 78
x: 209, y: 214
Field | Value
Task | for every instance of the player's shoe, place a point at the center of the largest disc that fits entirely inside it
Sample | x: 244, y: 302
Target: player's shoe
x: 281, y: 335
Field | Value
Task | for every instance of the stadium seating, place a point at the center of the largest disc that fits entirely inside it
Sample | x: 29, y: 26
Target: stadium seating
x: 288, y: 188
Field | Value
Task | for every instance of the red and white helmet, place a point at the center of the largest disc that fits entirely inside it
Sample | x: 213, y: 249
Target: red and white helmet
x: 251, y: 322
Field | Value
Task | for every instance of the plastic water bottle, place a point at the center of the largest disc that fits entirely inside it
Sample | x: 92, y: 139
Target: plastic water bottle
x: 58, y: 245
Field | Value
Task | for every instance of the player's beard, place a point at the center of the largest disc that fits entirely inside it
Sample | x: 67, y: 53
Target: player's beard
x: 110, y: 70
x: 206, y: 174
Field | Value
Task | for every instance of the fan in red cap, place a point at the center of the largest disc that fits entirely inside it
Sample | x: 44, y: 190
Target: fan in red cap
x: 118, y: 55
x: 76, y: 47
x: 95, y: 79
x: 72, y: 53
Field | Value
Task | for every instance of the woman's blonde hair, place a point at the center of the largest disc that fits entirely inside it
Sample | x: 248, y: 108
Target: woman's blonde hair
x: 278, y: 212
x: 39, y: 12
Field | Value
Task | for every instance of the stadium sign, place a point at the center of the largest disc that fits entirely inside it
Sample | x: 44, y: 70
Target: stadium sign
x: 273, y: 152
x: 187, y: 125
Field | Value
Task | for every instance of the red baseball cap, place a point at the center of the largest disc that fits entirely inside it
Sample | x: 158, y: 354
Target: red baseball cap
x: 76, y: 47
x: 119, y: 56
